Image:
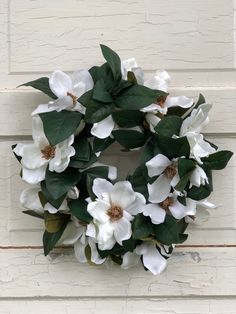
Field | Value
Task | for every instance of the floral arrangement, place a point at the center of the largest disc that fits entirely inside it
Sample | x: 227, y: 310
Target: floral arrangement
x: 141, y: 218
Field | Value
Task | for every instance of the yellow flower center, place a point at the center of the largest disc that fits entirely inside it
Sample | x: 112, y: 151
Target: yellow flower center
x: 115, y: 212
x: 73, y: 97
x: 166, y: 203
x: 171, y: 171
x: 48, y: 152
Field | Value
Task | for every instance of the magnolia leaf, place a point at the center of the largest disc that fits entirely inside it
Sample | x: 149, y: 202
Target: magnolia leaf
x: 217, y: 161
x: 169, y: 126
x: 58, y: 126
x: 101, y: 144
x: 41, y: 84
x: 113, y: 60
x: 141, y: 227
x: 130, y: 138
x: 128, y: 118
x: 100, y: 93
x: 54, y: 222
x: 127, y: 246
x: 137, y: 97
x: 58, y: 184
x: 78, y: 208
x: 97, y: 111
x: 45, y: 196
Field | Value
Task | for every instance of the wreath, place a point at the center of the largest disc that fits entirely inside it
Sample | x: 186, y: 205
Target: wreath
x: 141, y: 218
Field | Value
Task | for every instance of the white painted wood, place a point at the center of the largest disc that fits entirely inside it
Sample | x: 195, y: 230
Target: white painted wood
x: 121, y: 306
x: 195, y: 41
x: 190, y: 272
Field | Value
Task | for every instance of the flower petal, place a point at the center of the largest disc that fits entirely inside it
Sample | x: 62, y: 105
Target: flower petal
x: 159, y: 81
x: 105, y: 237
x: 178, y: 101
x: 38, y: 134
x: 60, y: 83
x: 157, y: 165
x: 137, y: 206
x: 103, y: 128
x: 98, y: 209
x: 32, y: 158
x: 159, y: 189
x: 42, y: 108
x: 155, y: 212
x: 179, y: 211
x: 34, y: 176
x: 122, y: 230
x: 79, y: 249
x: 95, y: 257
x: 29, y: 198
x: 82, y: 82
x: 152, y: 259
x: 101, y: 186
x: 152, y: 120
x: 72, y: 233
x: 122, y: 194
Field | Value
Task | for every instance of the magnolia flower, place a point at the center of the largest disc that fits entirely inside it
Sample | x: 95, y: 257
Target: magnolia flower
x: 191, y: 128
x: 167, y: 171
x: 202, y: 213
x: 112, y: 211
x: 40, y: 154
x: 68, y: 89
x: 75, y: 234
x: 153, y: 257
x: 29, y: 198
x: 157, y: 210
x: 161, y: 82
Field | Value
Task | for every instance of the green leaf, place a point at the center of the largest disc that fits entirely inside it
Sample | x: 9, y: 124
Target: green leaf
x: 217, y: 161
x: 51, y: 239
x: 78, y: 208
x: 82, y: 149
x: 45, y: 195
x: 169, y: 126
x: 103, y: 72
x: 33, y: 213
x: 180, y: 186
x: 131, y: 77
x: 137, y: 97
x: 171, y: 147
x: 86, y: 98
x: 185, y: 166
x: 41, y: 84
x: 170, y: 231
x: 100, y: 93
x: 97, y: 111
x: 130, y: 138
x: 113, y: 60
x: 58, y: 126
x: 74, y: 163
x: 89, y: 185
x: 54, y: 222
x: 127, y: 246
x: 101, y: 144
x: 128, y: 118
x: 58, y: 184
x: 141, y: 227
x: 199, y: 193
x: 98, y: 171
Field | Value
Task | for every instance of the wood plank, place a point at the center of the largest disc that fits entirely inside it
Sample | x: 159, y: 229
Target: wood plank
x: 222, y: 305
x: 18, y: 105
x: 199, y: 272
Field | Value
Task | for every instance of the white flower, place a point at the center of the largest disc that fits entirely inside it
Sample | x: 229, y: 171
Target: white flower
x: 103, y: 129
x: 75, y: 234
x: 69, y: 88
x: 29, y: 198
x: 202, y: 213
x: 157, y: 210
x: 38, y: 155
x: 152, y: 120
x: 166, y: 169
x: 152, y: 259
x: 112, y: 211
x: 131, y: 65
x: 161, y: 82
x: 198, y: 177
x: 191, y: 128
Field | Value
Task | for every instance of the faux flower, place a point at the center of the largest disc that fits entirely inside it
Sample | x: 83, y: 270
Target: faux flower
x: 40, y: 154
x: 191, y: 128
x: 198, y: 177
x: 167, y: 171
x: 202, y: 213
x: 112, y: 211
x: 152, y: 257
x: 75, y: 234
x: 68, y: 89
x: 157, y: 210
x: 130, y: 65
x: 161, y: 82
x: 29, y: 198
